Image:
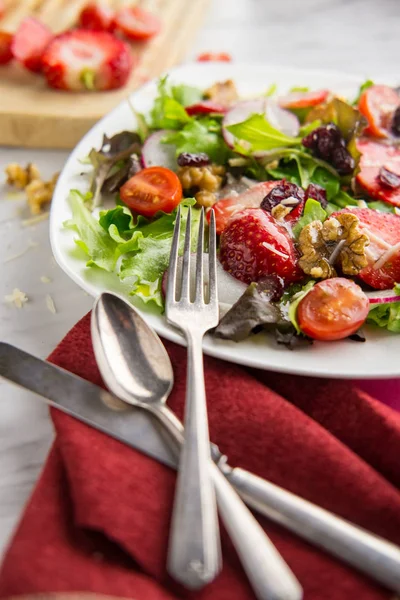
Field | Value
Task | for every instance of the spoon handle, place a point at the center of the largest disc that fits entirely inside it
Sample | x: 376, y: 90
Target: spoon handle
x: 194, y: 556
x: 267, y: 572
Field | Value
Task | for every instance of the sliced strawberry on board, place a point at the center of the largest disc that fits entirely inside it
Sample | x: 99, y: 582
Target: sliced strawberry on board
x: 206, y: 107
x: 29, y: 43
x: 225, y: 208
x: 5, y: 47
x: 136, y: 23
x: 303, y: 99
x: 97, y: 17
x: 214, y: 57
x: 383, y: 251
x: 254, y: 245
x: 80, y: 60
x: 374, y: 156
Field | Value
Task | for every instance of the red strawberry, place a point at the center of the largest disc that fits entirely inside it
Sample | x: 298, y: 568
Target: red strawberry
x: 30, y: 41
x: 383, y: 251
x: 205, y: 107
x: 97, y: 17
x: 254, y: 245
x: 2, y: 9
x: 87, y: 60
x: 374, y: 156
x: 225, y: 208
x: 137, y: 23
x: 5, y: 47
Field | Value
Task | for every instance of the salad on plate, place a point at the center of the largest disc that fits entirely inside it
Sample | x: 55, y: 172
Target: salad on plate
x: 305, y: 188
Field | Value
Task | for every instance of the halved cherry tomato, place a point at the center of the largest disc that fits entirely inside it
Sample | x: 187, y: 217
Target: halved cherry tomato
x: 303, y: 99
x: 333, y: 309
x: 151, y: 190
x: 377, y: 104
x: 136, y: 23
x: 5, y: 47
x: 214, y: 56
x: 205, y: 107
x: 97, y: 17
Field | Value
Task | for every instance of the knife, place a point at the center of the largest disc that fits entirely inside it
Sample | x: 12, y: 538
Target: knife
x: 134, y: 427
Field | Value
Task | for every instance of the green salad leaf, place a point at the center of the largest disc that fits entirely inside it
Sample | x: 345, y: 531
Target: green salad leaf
x: 291, y: 300
x: 313, y: 211
x: 386, y: 315
x: 382, y: 206
x: 256, y: 133
x: 167, y: 111
x: 93, y: 239
x: 200, y: 135
x: 271, y: 91
x: 364, y: 86
x: 186, y: 94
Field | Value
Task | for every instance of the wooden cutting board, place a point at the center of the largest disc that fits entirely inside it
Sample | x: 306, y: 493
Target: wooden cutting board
x: 32, y: 115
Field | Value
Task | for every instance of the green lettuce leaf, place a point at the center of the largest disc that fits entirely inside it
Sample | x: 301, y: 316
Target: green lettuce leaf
x: 364, y: 86
x: 200, y: 135
x: 386, y: 315
x: 256, y: 133
x: 93, y: 239
x: 382, y: 206
x: 291, y: 300
x: 313, y: 211
x: 271, y: 91
x: 186, y: 94
x: 167, y: 112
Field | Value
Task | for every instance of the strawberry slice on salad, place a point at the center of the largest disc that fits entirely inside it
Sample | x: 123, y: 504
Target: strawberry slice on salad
x: 226, y: 208
x: 80, y: 60
x: 379, y: 173
x: 383, y: 251
x: 29, y: 43
x: 255, y: 245
x: 206, y: 107
x: 303, y: 99
x: 378, y: 104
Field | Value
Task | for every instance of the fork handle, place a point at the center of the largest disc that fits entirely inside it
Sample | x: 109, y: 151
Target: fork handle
x: 194, y: 556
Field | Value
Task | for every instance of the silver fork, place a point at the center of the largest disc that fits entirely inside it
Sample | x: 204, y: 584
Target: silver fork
x: 194, y: 553
x: 194, y: 556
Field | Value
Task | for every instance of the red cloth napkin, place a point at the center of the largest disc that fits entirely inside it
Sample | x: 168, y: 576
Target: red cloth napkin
x: 98, y: 519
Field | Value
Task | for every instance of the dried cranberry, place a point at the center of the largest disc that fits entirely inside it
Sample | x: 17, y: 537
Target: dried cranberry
x: 187, y: 159
x: 389, y: 179
x: 343, y: 161
x: 323, y: 140
x: 281, y: 192
x: 396, y: 122
x: 318, y: 193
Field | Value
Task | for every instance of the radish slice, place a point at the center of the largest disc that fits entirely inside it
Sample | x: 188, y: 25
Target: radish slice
x: 157, y: 154
x: 229, y: 288
x: 279, y: 118
x: 382, y: 297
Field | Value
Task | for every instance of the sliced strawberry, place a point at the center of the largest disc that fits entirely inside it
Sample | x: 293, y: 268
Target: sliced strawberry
x: 205, y: 107
x: 2, y: 9
x: 97, y: 17
x: 136, y: 23
x: 378, y: 103
x: 374, y: 156
x: 29, y: 43
x: 225, y: 208
x: 383, y: 251
x: 254, y: 245
x: 5, y: 47
x: 214, y: 57
x: 303, y: 99
x: 87, y: 60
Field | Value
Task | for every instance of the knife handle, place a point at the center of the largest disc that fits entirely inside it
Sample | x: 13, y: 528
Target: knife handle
x: 369, y: 553
x: 266, y: 570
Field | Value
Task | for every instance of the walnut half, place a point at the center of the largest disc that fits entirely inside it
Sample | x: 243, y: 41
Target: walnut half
x: 337, y: 241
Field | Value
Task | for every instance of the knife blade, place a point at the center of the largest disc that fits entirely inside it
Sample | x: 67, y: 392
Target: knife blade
x: 87, y: 403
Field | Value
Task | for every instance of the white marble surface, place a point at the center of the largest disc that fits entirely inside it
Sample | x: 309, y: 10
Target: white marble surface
x: 355, y: 36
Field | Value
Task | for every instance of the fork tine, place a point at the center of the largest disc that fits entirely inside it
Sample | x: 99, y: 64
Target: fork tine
x: 173, y: 261
x: 212, y: 258
x: 185, y: 290
x: 199, y: 297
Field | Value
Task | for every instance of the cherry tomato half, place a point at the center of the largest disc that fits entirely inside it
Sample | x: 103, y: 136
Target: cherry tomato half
x: 378, y: 103
x: 151, y: 190
x: 96, y: 17
x: 214, y: 56
x: 136, y: 23
x: 333, y: 309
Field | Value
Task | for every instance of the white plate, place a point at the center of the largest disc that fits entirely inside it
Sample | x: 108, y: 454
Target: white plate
x: 377, y: 358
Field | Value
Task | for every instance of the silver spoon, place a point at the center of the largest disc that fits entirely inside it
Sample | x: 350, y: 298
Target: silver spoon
x: 136, y: 367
